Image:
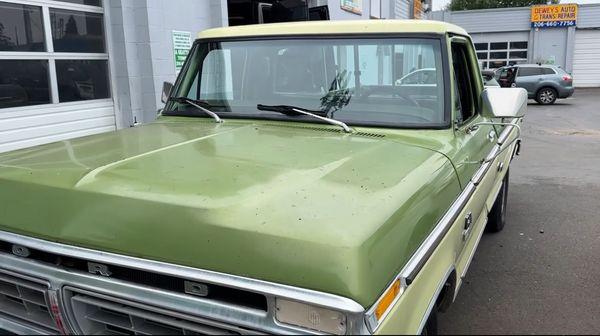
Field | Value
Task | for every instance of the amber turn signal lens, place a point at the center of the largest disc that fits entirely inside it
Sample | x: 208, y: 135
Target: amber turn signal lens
x: 388, y: 299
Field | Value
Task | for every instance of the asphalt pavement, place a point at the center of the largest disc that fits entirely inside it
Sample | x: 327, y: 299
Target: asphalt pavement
x: 541, y: 275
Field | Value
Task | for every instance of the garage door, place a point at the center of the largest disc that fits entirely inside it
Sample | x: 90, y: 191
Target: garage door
x: 586, y: 59
x: 54, y: 73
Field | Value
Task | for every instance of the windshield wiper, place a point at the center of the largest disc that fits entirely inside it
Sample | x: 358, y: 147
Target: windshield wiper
x: 293, y: 111
x: 197, y: 104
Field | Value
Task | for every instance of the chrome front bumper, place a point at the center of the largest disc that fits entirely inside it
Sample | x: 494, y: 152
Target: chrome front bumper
x: 240, y: 320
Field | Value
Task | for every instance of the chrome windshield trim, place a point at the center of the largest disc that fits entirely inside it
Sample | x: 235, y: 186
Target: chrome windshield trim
x: 258, y: 286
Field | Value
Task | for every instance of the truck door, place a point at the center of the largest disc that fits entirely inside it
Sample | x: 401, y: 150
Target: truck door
x: 473, y: 143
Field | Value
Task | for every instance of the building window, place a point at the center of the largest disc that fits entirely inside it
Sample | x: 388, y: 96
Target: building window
x: 83, y: 2
x: 498, y: 46
x: 71, y: 65
x: 498, y: 54
x: 24, y: 82
x: 21, y: 28
x: 481, y: 46
x: 74, y: 31
x: 82, y: 80
x: 518, y: 45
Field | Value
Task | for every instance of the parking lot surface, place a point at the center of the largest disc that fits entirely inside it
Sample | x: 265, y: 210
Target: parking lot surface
x: 542, y: 273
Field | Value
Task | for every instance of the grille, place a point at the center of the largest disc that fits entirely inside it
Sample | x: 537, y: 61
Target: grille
x: 26, y: 301
x: 97, y: 314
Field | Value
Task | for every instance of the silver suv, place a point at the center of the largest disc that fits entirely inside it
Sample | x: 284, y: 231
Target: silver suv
x: 544, y: 83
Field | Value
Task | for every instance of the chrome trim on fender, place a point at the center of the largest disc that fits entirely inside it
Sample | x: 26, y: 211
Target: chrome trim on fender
x: 420, y: 257
x: 408, y: 274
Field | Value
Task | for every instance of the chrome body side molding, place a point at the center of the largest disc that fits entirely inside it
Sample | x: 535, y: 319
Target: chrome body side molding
x: 408, y: 274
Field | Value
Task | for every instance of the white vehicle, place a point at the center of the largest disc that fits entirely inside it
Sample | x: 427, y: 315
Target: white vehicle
x: 425, y: 76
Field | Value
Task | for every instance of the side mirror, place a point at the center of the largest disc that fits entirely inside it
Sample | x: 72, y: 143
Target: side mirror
x: 504, y: 102
x: 166, y: 92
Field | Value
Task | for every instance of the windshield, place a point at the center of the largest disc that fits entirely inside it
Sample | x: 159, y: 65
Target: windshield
x: 370, y: 81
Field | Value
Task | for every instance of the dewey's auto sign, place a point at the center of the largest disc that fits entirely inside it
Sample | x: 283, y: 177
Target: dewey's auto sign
x: 554, y: 16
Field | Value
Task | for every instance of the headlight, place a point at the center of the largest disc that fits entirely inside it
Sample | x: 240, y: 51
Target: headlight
x: 310, y: 317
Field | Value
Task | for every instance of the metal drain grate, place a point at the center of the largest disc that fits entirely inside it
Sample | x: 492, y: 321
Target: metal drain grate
x: 97, y: 314
x: 26, y: 301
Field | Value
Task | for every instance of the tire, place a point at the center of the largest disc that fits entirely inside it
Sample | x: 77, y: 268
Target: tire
x: 546, y: 96
x: 431, y: 327
x: 497, y: 217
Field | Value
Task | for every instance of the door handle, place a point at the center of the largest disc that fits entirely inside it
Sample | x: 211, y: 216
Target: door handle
x: 492, y: 135
x: 468, y: 226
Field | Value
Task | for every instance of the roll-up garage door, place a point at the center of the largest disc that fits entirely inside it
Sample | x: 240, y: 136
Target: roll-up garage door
x: 586, y: 59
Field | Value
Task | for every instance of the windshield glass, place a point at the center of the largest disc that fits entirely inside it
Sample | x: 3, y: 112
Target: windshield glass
x: 370, y: 81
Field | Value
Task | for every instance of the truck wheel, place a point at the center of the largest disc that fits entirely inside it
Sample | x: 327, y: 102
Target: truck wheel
x: 431, y: 327
x: 546, y: 96
x: 497, y: 217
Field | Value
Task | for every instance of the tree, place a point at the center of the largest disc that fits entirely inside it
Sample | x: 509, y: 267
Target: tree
x: 5, y: 41
x: 457, y: 5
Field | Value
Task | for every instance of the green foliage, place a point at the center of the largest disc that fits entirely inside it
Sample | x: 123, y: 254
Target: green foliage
x: 457, y: 5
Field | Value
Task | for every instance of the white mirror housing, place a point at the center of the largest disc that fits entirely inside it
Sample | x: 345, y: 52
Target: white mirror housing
x: 504, y: 102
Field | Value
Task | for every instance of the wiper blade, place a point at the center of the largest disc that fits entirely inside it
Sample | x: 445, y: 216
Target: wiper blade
x: 197, y: 104
x: 296, y: 111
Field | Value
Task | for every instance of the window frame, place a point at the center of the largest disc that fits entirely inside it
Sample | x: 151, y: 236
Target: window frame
x: 444, y: 51
x: 476, y: 82
x: 51, y: 56
x: 508, y: 60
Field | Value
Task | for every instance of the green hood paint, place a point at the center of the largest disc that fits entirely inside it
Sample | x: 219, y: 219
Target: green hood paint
x: 285, y: 202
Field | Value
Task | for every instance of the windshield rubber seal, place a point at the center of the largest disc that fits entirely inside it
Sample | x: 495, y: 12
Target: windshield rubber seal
x: 442, y: 38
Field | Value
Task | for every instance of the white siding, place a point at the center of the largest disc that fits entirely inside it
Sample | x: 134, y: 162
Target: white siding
x: 35, y: 125
x: 402, y: 9
x: 488, y: 20
x: 589, y: 16
x: 586, y: 72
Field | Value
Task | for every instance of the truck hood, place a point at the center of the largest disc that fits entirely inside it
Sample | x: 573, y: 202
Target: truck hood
x: 301, y: 205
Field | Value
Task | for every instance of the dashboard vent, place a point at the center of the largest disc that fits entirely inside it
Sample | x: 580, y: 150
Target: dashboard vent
x: 26, y: 301
x: 98, y: 314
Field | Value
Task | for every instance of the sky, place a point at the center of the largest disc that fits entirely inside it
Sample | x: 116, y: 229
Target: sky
x: 440, y: 4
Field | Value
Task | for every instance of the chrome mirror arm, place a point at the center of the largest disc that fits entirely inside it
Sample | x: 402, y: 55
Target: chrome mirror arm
x: 500, y: 142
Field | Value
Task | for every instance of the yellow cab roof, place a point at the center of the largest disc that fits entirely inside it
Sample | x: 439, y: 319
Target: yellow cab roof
x: 334, y: 27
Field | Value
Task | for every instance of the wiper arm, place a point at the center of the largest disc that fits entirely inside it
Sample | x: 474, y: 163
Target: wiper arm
x: 196, y: 104
x: 295, y: 111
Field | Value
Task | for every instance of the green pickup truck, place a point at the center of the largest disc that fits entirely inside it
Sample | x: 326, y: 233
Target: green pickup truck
x: 292, y: 184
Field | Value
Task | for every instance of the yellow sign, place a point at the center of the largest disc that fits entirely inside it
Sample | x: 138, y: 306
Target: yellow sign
x: 554, y: 16
x: 354, y: 6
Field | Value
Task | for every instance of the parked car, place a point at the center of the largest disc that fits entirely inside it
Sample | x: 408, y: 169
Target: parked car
x: 544, y: 83
x: 287, y: 187
x: 425, y: 76
x: 489, y: 79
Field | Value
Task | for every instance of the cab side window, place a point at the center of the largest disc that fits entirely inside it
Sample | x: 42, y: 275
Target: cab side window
x: 465, y: 93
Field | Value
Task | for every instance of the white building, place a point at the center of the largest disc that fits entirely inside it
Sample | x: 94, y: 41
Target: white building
x: 508, y: 36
